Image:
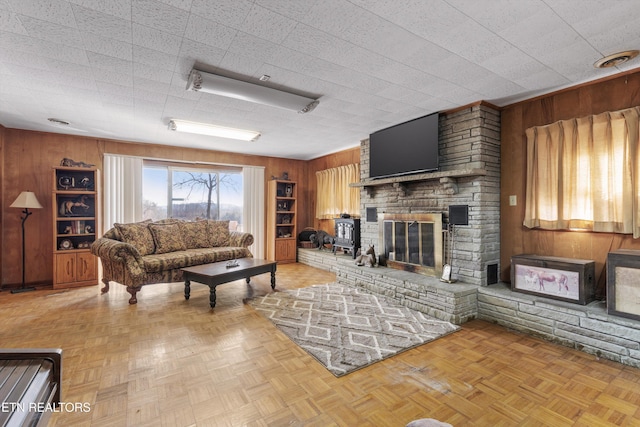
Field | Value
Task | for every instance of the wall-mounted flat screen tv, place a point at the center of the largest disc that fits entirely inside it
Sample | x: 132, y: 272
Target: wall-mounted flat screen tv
x: 403, y: 149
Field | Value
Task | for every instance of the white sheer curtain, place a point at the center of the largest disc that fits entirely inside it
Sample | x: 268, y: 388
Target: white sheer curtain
x: 253, y: 207
x: 122, y: 190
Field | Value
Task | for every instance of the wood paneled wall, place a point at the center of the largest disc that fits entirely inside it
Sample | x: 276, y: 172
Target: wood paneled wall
x: 2, y: 132
x: 622, y: 91
x: 27, y: 159
x: 342, y: 158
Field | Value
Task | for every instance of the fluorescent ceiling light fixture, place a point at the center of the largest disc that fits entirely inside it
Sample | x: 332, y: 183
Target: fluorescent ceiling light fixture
x: 200, y: 81
x: 213, y: 130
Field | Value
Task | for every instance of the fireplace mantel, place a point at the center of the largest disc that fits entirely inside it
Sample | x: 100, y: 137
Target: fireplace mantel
x: 447, y: 178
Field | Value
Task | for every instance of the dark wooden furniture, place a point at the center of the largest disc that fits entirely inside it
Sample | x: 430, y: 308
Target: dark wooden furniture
x: 218, y: 273
x: 347, y: 235
x: 565, y: 279
x: 30, y: 382
x: 75, y: 218
x: 623, y: 283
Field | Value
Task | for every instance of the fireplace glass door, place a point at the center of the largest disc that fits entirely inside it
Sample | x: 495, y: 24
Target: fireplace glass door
x: 410, y: 242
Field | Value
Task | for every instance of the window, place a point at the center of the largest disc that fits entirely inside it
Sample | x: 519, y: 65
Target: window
x: 189, y: 193
x: 585, y: 174
x: 334, y: 196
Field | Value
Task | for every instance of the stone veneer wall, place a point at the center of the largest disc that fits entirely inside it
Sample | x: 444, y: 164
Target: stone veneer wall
x: 586, y: 328
x: 469, y: 139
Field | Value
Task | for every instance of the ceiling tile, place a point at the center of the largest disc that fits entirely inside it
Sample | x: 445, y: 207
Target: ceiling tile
x: 268, y: 25
x: 160, y: 16
x: 156, y: 39
x: 108, y: 46
x: 51, y: 32
x: 227, y: 12
x: 10, y: 22
x: 209, y: 32
x: 54, y: 11
x: 118, y: 8
x: 102, y: 24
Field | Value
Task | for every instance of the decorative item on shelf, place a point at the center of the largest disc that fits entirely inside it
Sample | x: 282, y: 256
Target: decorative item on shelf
x: 26, y: 200
x: 88, y: 229
x: 67, y: 162
x: 68, y: 230
x: 232, y: 263
x: 86, y: 183
x: 66, y: 182
x: 284, y: 177
x: 65, y: 244
x: 286, y: 219
x: 84, y: 245
x: 288, y: 191
x: 66, y: 206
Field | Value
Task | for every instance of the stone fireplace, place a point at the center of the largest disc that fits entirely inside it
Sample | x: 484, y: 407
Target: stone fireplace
x: 469, y: 174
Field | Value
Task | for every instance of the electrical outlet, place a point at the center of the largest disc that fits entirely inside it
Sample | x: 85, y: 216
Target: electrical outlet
x: 513, y: 200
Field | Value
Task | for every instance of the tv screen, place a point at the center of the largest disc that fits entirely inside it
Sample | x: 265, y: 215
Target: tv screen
x: 409, y: 147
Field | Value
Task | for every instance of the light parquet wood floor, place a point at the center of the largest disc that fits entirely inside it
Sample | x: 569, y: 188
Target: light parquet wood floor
x: 171, y: 362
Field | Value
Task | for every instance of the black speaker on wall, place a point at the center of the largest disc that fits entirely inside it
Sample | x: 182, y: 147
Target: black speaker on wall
x: 459, y: 214
x: 372, y: 214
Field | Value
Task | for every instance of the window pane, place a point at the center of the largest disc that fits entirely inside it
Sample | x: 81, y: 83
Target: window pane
x: 231, y: 199
x: 154, y: 193
x: 193, y: 194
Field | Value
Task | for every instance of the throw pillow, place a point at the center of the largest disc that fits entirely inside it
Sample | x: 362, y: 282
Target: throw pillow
x: 138, y: 235
x: 167, y: 237
x: 218, y: 233
x: 195, y: 234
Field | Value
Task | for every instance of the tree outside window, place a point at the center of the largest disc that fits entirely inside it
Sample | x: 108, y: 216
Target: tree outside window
x: 189, y: 194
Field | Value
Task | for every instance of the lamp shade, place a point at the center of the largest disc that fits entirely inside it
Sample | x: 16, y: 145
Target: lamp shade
x: 26, y: 199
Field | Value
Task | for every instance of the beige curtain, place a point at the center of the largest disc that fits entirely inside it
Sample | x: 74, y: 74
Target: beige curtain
x: 585, y: 174
x: 334, y: 196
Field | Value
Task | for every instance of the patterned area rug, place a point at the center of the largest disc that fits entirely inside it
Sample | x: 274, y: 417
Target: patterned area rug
x: 346, y: 329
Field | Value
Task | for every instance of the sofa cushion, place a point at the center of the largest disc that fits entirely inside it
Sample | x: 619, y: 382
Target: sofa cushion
x: 156, y: 263
x: 138, y: 235
x: 195, y: 234
x: 218, y: 233
x: 167, y: 237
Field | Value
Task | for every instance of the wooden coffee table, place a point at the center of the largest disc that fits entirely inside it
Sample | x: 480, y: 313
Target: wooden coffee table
x: 218, y: 273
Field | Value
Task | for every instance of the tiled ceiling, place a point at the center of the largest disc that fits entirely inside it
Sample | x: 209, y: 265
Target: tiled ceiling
x: 117, y: 69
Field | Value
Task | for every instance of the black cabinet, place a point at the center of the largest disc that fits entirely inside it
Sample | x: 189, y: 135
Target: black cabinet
x: 347, y: 235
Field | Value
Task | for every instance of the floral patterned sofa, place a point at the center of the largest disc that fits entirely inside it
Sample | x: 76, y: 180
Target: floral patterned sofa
x: 147, y: 252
